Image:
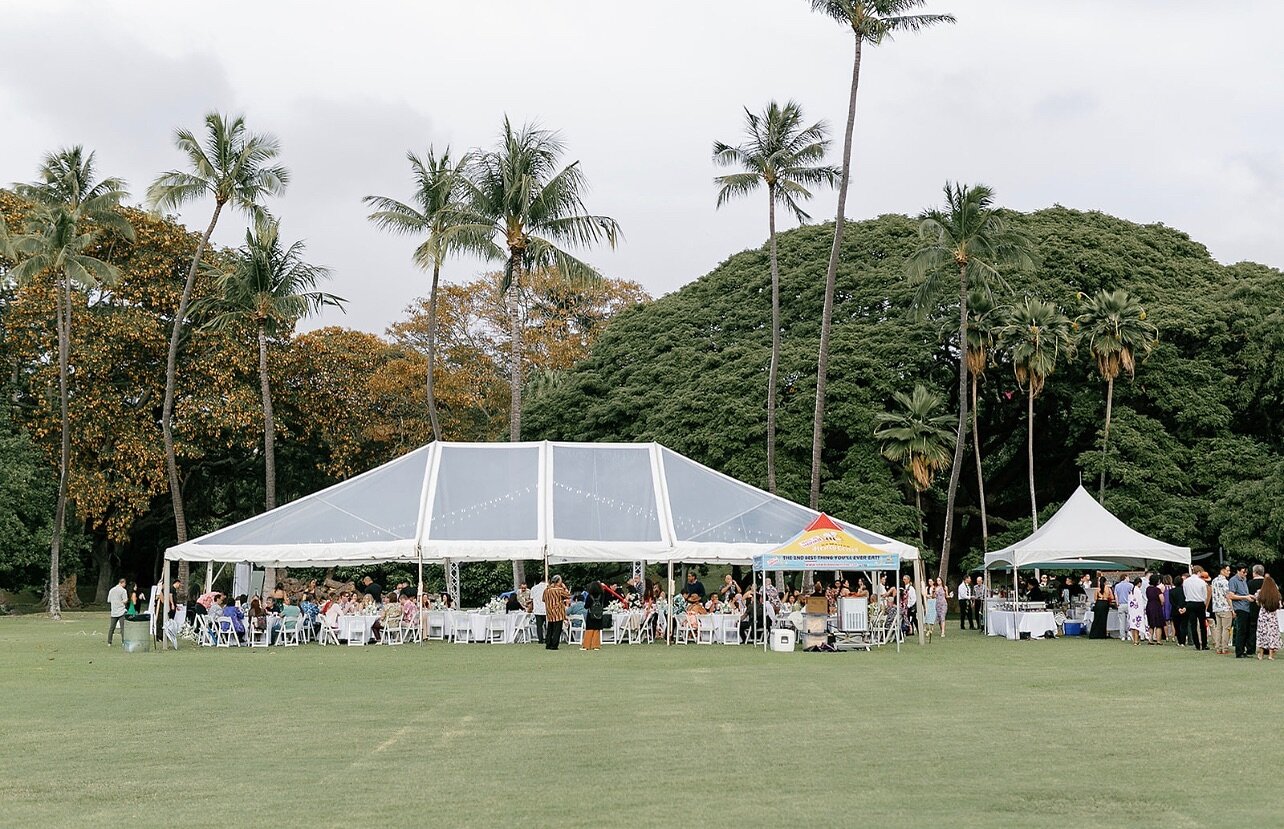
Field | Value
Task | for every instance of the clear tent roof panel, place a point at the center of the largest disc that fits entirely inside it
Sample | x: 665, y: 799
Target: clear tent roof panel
x: 604, y: 493
x: 486, y: 493
x: 379, y: 505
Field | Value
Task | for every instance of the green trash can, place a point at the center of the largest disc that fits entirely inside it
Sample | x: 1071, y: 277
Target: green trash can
x: 137, y: 636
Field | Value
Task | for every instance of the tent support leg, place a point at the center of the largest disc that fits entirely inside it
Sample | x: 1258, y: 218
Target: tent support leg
x: 209, y: 576
x: 452, y: 581
x: 668, y: 631
x: 639, y: 575
x: 419, y: 597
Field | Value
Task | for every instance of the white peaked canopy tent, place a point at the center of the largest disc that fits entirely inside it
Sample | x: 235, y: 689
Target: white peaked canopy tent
x: 561, y: 502
x: 1084, y: 534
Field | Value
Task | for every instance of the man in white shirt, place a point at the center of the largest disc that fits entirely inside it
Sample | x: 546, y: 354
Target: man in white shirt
x: 911, y: 603
x: 1196, y: 590
x: 964, y: 595
x: 117, y: 598
x: 539, y: 609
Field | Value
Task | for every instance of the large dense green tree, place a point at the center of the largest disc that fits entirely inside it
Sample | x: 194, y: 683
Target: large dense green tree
x: 965, y: 245
x: 786, y: 156
x: 267, y: 288
x: 1035, y: 334
x: 1194, y: 449
x: 917, y: 436
x: 231, y: 166
x: 439, y: 185
x: 871, y: 22
x: 72, y: 211
x: 1116, y: 331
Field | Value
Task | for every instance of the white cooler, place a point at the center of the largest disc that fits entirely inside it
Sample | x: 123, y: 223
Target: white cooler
x: 782, y: 640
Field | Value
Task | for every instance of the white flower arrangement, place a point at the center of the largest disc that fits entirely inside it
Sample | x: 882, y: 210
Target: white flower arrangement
x: 616, y: 606
x: 495, y: 605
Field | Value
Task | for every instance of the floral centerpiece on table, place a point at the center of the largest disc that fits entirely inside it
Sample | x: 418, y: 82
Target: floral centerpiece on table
x: 730, y: 608
x: 495, y: 605
x: 615, y: 606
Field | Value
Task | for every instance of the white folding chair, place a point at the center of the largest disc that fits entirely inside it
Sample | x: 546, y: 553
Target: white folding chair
x: 575, y: 630
x: 463, y: 628
x: 204, y: 631
x: 522, y: 628
x: 393, y: 634
x: 226, y: 633
x: 496, y: 629
x: 357, y: 635
x: 643, y: 633
x: 706, y: 629
x: 729, y: 629
x: 258, y: 638
x: 288, y: 634
x: 436, y: 625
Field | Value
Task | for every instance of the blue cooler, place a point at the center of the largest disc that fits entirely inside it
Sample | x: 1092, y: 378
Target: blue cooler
x: 1073, y: 628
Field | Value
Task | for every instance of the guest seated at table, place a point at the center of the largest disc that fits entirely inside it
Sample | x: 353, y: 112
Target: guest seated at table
x: 311, y: 611
x: 511, y: 603
x: 714, y: 604
x: 447, y: 601
x: 389, y: 617
x: 368, y: 605
x: 216, y: 607
x: 233, y: 611
x: 259, y: 619
x: 694, y: 608
x: 409, y: 610
x: 577, y: 605
x: 751, y: 616
x: 862, y: 589
x: 524, y: 597
x: 728, y: 587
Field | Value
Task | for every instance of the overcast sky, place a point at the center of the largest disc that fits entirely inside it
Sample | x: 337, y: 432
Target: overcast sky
x: 1144, y: 109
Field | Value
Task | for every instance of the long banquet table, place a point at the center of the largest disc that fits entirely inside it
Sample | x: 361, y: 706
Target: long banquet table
x: 1013, y: 623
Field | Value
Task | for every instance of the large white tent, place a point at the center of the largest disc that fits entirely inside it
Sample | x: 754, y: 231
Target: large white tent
x: 563, y: 502
x: 1084, y: 534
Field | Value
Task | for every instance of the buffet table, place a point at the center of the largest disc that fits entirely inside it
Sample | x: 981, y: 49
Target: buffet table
x: 1013, y: 623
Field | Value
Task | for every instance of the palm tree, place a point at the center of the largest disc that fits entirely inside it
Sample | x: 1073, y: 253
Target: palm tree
x: 71, y: 214
x: 970, y: 236
x: 439, y: 183
x: 1115, y: 327
x: 872, y: 22
x: 519, y: 194
x: 982, y: 323
x: 233, y: 167
x: 785, y: 156
x: 268, y: 287
x: 918, y: 438
x: 1035, y: 334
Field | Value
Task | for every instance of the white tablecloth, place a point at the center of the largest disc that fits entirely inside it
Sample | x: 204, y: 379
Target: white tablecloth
x: 1013, y: 624
x: 480, y: 623
x: 356, y: 627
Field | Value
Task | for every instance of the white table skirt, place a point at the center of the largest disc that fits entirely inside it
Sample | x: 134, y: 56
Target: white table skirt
x: 480, y: 623
x: 1013, y: 624
x: 357, y: 627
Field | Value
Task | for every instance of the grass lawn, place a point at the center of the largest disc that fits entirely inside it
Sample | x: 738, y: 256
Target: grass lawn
x: 964, y: 732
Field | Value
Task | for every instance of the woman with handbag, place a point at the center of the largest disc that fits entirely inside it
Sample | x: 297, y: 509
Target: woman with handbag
x: 594, y: 609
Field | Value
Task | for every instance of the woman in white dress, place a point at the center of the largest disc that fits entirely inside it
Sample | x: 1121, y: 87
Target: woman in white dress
x: 1137, y: 612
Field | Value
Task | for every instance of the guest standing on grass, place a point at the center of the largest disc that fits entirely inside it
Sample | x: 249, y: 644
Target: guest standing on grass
x: 1222, y: 613
x: 1196, y: 590
x: 965, y: 603
x: 1122, y: 589
x: 594, y: 606
x: 1137, y: 612
x: 1241, y: 603
x: 538, y: 608
x: 1155, y: 610
x: 556, y: 599
x: 942, y: 603
x: 1268, y: 622
x: 1254, y: 585
x: 117, y: 599
x: 1101, y: 610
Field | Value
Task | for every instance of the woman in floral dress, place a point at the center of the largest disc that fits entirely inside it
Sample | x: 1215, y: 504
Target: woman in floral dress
x: 1268, y: 622
x: 1137, y: 612
x: 941, y: 603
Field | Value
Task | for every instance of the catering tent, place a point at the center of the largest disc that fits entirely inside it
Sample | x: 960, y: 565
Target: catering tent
x: 562, y: 502
x: 1084, y: 534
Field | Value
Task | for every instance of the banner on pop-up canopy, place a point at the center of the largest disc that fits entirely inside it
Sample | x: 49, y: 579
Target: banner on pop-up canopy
x: 824, y: 545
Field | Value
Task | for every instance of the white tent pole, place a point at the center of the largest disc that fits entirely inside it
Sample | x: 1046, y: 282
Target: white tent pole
x: 209, y: 576
x: 668, y: 634
x: 419, y: 596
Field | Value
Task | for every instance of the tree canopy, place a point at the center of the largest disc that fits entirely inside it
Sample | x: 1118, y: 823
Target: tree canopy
x: 1197, y: 444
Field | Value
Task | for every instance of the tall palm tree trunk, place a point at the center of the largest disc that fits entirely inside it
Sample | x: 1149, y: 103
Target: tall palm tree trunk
x: 1029, y: 449
x: 959, y: 439
x: 1105, y: 436
x: 831, y: 275
x: 515, y: 377
x: 918, y: 509
x: 980, y: 473
x: 774, y: 369
x: 171, y: 381
x: 432, y: 351
x: 64, y: 456
x: 269, y: 424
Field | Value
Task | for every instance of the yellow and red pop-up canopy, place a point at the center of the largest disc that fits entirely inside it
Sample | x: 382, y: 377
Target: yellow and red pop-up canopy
x: 824, y: 545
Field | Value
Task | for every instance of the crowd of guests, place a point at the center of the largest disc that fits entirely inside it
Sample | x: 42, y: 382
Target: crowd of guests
x: 1234, y: 611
